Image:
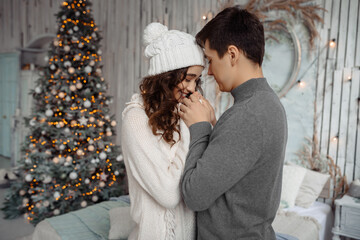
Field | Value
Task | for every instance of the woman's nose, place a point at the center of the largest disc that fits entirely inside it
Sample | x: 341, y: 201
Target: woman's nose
x: 191, y: 86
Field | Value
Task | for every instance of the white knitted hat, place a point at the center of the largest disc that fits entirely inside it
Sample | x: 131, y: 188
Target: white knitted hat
x: 170, y: 50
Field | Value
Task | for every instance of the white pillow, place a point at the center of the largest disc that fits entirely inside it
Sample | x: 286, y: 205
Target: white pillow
x: 311, y: 188
x: 291, y: 182
x: 121, y: 223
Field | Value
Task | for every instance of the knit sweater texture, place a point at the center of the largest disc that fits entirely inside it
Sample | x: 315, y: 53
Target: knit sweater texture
x: 233, y: 172
x: 154, y: 169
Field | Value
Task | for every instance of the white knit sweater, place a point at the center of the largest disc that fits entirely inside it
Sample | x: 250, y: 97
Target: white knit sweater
x: 154, y: 170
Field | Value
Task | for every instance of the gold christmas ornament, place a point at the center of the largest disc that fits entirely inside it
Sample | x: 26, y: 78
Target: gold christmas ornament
x: 61, y: 95
x: 73, y: 88
x: 91, y: 119
x: 79, y: 85
x: 71, y: 70
x: 80, y: 152
x: 91, y: 148
x: 113, y: 123
x: 56, y: 160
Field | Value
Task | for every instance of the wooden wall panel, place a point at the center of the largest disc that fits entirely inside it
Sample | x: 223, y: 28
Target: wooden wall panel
x: 122, y: 22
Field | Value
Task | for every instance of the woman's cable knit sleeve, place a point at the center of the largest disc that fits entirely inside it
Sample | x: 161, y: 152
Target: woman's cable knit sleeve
x: 152, y: 168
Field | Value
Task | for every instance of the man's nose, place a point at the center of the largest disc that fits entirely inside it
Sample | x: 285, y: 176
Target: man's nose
x: 210, y: 73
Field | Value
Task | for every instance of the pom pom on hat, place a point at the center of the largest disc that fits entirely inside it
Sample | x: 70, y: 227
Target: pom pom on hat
x: 170, y: 50
x: 153, y: 31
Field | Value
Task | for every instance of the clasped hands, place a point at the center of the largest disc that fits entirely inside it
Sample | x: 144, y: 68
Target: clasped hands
x: 196, y: 109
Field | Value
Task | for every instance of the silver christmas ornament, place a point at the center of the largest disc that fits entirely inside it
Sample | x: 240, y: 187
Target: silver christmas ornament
x: 67, y: 130
x: 119, y: 158
x: 47, y: 179
x: 49, y: 113
x: 46, y: 203
x: 73, y: 175
x: 102, y: 155
x: 32, y: 122
x: 67, y: 63
x: 28, y: 178
x: 87, y: 104
x: 38, y: 90
x: 88, y: 69
x: 56, y: 195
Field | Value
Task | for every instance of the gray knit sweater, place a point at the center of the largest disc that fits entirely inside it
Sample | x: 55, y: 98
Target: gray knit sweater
x: 232, y: 176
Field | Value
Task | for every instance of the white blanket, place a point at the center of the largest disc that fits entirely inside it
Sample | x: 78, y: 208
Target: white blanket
x: 314, y: 222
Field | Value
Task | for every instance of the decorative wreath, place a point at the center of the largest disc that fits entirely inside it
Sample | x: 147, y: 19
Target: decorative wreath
x: 303, y: 10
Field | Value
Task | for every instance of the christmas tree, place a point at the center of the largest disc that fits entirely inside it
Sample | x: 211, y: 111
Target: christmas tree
x: 69, y: 160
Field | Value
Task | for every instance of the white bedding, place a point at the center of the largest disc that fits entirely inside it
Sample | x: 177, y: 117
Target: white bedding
x: 322, y: 213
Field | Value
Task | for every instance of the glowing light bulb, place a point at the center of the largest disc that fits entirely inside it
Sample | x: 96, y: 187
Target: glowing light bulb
x: 349, y: 78
x: 301, y: 83
x: 335, y: 139
x: 204, y: 17
x: 332, y: 43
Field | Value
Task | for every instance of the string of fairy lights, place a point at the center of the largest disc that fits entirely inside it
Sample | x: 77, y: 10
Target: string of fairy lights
x: 300, y: 82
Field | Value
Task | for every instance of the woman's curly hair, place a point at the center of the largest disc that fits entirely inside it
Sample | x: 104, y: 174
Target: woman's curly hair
x: 160, y: 102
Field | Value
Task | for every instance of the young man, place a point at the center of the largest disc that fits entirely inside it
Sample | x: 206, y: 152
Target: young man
x: 232, y: 176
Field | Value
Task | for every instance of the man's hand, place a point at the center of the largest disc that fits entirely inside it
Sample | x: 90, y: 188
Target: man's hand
x: 196, y: 109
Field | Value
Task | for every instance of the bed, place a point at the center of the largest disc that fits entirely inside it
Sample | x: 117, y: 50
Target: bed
x: 90, y: 223
x: 93, y: 223
x: 300, y: 216
x: 310, y: 223
x: 302, y: 213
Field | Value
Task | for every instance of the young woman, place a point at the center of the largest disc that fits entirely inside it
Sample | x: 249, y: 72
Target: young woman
x: 155, y: 140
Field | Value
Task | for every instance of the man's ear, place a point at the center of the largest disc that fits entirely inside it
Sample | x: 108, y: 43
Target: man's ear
x: 234, y: 54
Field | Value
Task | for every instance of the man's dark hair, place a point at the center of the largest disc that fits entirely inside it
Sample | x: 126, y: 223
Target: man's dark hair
x: 238, y: 27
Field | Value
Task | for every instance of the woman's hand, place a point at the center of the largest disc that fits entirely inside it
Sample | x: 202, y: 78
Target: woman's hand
x: 197, y: 109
